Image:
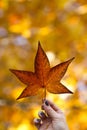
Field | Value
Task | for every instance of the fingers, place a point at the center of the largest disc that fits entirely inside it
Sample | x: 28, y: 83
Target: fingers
x: 42, y: 115
x: 53, y: 105
x: 37, y: 123
x: 48, y: 107
x: 51, y: 109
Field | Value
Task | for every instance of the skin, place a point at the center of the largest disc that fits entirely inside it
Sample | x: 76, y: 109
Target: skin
x: 52, y: 119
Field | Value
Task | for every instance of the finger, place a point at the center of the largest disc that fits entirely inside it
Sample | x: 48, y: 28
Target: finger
x: 54, y: 106
x: 42, y: 115
x: 37, y: 122
x: 49, y: 110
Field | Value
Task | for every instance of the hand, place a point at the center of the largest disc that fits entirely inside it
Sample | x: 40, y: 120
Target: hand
x: 52, y: 119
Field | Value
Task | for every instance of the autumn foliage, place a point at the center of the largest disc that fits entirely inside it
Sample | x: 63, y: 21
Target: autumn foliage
x: 61, y: 26
x: 44, y: 77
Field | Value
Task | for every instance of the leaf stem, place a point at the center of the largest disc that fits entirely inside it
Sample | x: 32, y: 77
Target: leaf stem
x: 45, y: 94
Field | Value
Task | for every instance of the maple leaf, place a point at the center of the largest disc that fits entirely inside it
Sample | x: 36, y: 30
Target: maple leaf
x: 44, y: 76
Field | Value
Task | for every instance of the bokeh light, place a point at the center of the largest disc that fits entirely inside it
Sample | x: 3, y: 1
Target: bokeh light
x: 61, y: 26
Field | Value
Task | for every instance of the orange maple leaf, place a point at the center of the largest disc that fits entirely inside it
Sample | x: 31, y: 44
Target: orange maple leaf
x: 44, y: 76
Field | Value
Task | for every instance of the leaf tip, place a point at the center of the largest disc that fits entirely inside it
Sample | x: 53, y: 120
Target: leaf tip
x: 11, y: 70
x: 19, y: 97
x: 40, y: 49
x: 72, y: 59
x: 70, y: 92
x: 38, y: 42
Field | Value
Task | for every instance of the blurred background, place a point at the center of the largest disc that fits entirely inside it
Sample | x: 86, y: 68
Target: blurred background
x: 61, y: 27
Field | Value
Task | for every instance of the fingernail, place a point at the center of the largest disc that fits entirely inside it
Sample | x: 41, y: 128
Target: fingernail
x: 46, y: 103
x: 41, y: 113
x: 36, y: 120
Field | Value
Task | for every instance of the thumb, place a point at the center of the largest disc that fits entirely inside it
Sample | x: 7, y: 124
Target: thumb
x: 49, y: 110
